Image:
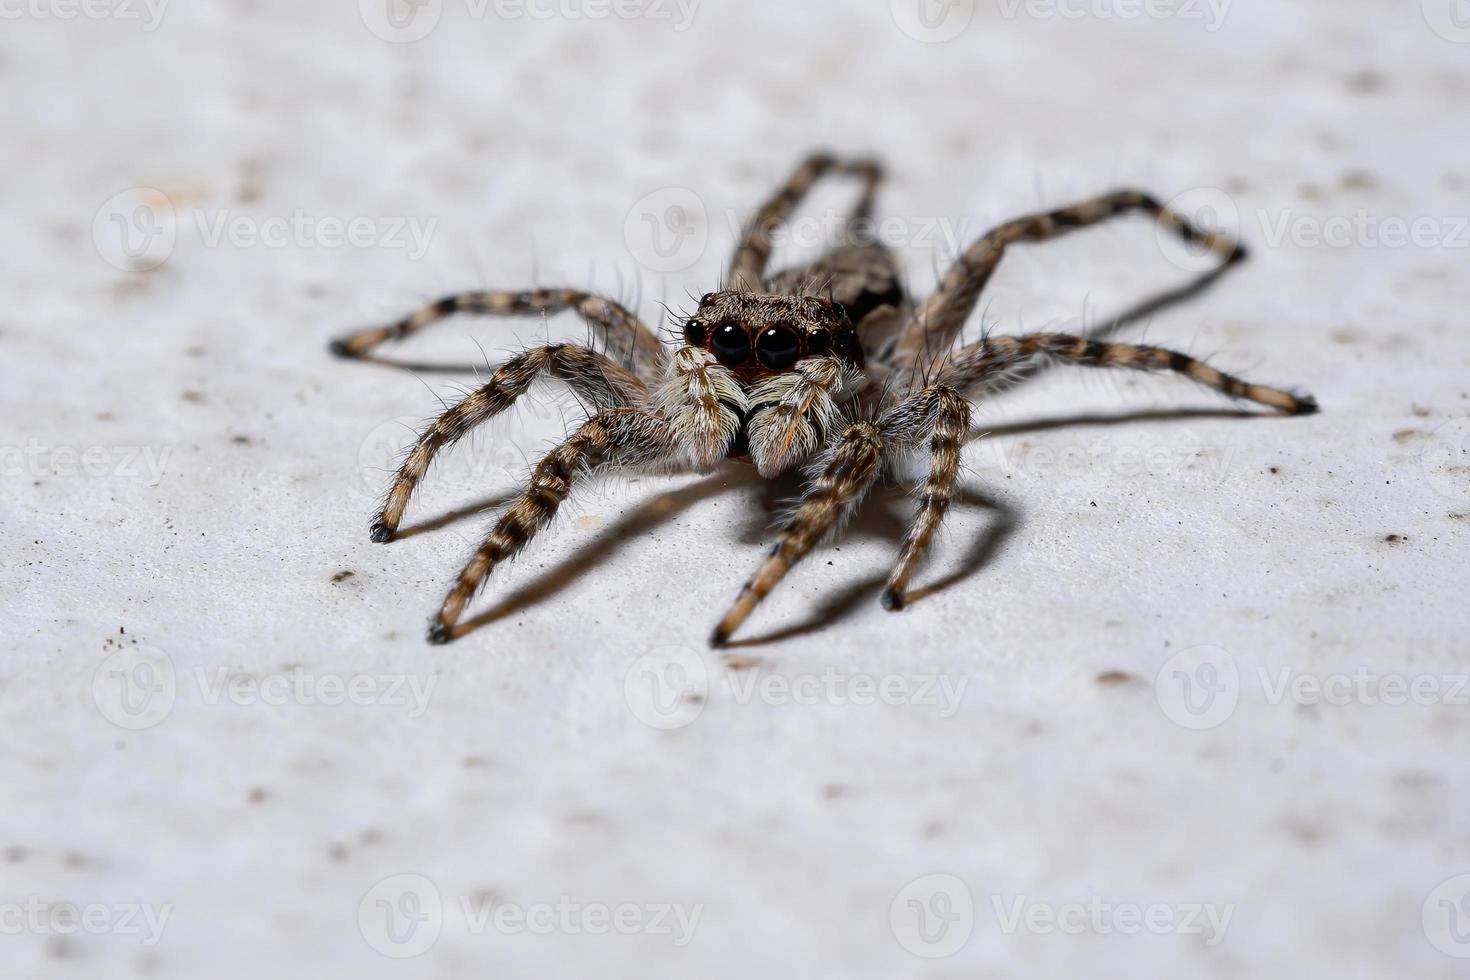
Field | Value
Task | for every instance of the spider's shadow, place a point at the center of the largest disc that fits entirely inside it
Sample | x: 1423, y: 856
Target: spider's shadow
x: 876, y: 519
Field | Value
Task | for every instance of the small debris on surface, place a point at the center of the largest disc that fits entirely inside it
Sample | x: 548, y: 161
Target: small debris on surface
x: 1395, y: 538
x: 343, y: 576
x: 1114, y: 678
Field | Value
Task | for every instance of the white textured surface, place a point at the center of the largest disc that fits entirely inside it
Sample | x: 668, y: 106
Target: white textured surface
x: 793, y: 827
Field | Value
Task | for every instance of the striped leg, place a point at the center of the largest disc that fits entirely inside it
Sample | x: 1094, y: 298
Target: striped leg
x: 934, y: 326
x: 986, y: 364
x: 589, y: 374
x: 947, y: 421
x: 748, y: 265
x: 629, y: 342
x: 852, y: 465
x: 618, y: 437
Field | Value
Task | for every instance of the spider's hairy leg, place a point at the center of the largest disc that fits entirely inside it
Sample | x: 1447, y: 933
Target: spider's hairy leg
x: 628, y: 340
x: 792, y: 411
x: 987, y: 363
x: 851, y: 467
x: 619, y: 437
x: 748, y: 264
x: 936, y: 324
x: 943, y: 414
x: 589, y: 374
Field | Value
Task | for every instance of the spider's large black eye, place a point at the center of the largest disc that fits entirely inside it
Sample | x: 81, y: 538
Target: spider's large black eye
x: 731, y: 344
x: 694, y: 333
x: 778, y: 348
x: 819, y: 341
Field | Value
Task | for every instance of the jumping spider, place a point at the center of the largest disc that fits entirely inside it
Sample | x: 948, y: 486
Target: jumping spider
x: 828, y: 365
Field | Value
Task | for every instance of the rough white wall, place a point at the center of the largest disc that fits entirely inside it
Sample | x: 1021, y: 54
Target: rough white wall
x: 188, y: 478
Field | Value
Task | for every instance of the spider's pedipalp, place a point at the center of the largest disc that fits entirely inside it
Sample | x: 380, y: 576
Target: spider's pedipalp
x: 851, y: 467
x: 589, y: 374
x: 791, y: 412
x: 620, y: 437
x: 628, y: 340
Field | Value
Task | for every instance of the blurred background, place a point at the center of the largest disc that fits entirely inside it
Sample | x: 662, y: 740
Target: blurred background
x: 1189, y: 698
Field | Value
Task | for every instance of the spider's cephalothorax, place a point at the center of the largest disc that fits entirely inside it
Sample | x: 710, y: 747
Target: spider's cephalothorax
x: 828, y: 364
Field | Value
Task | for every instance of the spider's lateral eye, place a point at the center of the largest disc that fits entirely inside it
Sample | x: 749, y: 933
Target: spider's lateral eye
x: 731, y: 344
x: 819, y: 342
x: 778, y: 348
x: 694, y: 333
x: 706, y: 299
x: 839, y: 309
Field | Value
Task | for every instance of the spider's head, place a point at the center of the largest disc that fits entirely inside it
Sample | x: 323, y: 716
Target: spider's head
x: 756, y: 335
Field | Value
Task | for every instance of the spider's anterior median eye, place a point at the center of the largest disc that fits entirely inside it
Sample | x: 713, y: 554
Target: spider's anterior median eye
x: 730, y: 344
x: 778, y: 348
x: 694, y: 333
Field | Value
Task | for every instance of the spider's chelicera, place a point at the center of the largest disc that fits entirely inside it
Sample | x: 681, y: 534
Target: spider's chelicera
x: 829, y: 365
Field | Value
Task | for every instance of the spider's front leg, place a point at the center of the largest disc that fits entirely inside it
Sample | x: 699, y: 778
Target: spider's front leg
x: 589, y: 374
x: 621, y: 437
x: 851, y: 467
x: 628, y: 340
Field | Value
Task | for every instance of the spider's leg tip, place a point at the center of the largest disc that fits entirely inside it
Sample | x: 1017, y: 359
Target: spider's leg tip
x: 439, y: 634
x: 891, y: 600
x: 341, y: 348
x: 1305, y: 405
x: 380, y: 532
x: 719, y: 637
